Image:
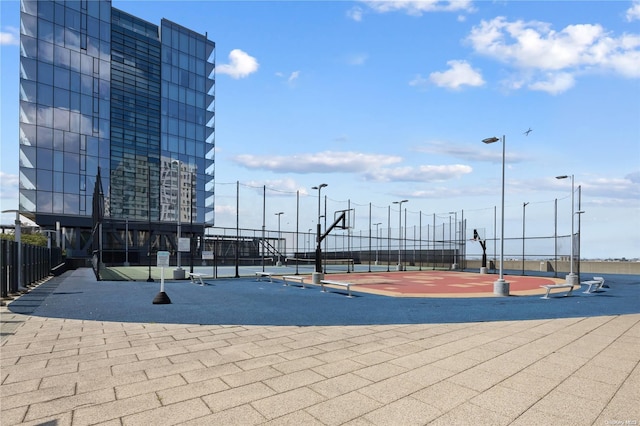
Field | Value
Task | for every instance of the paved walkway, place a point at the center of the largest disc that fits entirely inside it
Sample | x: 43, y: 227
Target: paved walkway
x: 83, y: 369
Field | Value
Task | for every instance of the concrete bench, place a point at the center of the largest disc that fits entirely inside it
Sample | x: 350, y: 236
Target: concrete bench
x: 597, y: 282
x: 261, y: 275
x: 336, y: 283
x: 550, y: 287
x: 198, y: 278
x: 299, y: 279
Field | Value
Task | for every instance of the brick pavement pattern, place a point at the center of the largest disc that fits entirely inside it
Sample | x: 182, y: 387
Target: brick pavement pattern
x: 576, y: 371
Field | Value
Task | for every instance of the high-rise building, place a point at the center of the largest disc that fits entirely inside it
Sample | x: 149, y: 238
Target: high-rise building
x: 103, y: 90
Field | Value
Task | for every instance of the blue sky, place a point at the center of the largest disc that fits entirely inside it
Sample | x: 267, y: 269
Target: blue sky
x: 390, y: 100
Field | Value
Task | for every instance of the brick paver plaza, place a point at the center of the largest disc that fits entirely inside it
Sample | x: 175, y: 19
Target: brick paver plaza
x: 569, y: 370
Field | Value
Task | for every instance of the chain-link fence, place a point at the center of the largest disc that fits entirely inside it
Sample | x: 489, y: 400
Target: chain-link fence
x: 260, y: 225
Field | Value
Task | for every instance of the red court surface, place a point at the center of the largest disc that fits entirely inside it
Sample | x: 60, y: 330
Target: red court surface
x: 440, y: 283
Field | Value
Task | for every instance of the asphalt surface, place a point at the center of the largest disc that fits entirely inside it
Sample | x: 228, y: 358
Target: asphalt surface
x: 77, y: 295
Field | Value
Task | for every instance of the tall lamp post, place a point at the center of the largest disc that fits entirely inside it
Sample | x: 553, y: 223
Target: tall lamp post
x: 149, y: 278
x: 178, y: 273
x: 500, y: 287
x: 455, y: 240
x: 377, y: 241
x: 278, y: 263
x: 399, y: 203
x: 318, y: 272
x: 572, y: 278
x: 524, y: 205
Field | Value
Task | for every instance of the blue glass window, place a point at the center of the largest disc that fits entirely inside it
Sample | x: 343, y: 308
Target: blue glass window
x: 28, y: 92
x: 45, y: 158
x: 45, y: 180
x: 28, y: 69
x: 61, y: 118
x: 29, y: 47
x: 45, y: 94
x: 58, y: 181
x: 45, y: 115
x: 45, y: 30
x: 72, y: 19
x: 45, y: 73
x: 71, y: 183
x: 71, y: 203
x: 45, y: 51
x: 58, y: 203
x: 58, y: 161
x: 61, y: 77
x: 44, y: 200
x: 45, y: 137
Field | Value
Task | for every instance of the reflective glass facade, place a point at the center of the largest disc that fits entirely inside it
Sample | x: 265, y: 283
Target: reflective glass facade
x: 100, y: 88
x: 135, y: 117
x: 187, y: 133
x: 64, y: 104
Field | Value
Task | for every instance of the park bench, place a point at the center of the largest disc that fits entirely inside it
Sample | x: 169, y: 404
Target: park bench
x: 198, y: 278
x: 336, y: 283
x: 260, y: 275
x: 596, y: 284
x: 550, y: 287
x: 299, y: 279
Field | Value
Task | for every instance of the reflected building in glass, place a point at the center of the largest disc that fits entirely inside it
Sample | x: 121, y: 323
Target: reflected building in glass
x: 103, y: 90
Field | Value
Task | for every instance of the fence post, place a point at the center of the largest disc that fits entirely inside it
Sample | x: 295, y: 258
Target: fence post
x: 4, y: 255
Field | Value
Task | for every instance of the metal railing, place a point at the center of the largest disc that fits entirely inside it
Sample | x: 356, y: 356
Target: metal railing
x: 36, y: 264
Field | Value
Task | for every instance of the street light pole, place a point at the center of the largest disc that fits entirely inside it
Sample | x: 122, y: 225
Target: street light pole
x: 278, y: 263
x: 319, y: 236
x: 455, y: 240
x: 524, y: 205
x: 500, y: 287
x: 178, y: 273
x: 399, y: 203
x: 377, y: 241
x: 149, y: 278
x: 191, y: 220
x: 571, y: 278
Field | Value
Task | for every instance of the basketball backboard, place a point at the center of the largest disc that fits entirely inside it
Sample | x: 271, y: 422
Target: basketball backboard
x: 479, y: 234
x: 349, y: 218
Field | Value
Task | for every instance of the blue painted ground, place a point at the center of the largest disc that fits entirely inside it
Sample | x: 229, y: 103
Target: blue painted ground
x: 244, y: 301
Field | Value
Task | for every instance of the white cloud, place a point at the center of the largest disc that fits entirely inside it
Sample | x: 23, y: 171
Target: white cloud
x: 426, y: 173
x: 476, y: 152
x: 240, y: 65
x: 10, y: 37
x: 357, y: 59
x: 355, y: 13
x: 459, y: 74
x: 554, y: 83
x: 291, y: 79
x: 321, y: 162
x: 225, y: 209
x: 418, y: 7
x: 8, y: 180
x: 633, y: 177
x: 419, y: 81
x: 535, y: 47
x: 633, y: 13
x: 294, y: 76
x: 446, y: 191
x: 625, y: 188
x: 281, y: 187
x: 8, y: 195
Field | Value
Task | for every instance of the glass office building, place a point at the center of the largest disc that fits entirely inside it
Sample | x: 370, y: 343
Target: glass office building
x: 103, y: 90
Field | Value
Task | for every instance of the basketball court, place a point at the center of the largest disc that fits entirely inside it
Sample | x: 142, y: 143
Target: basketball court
x: 441, y: 283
